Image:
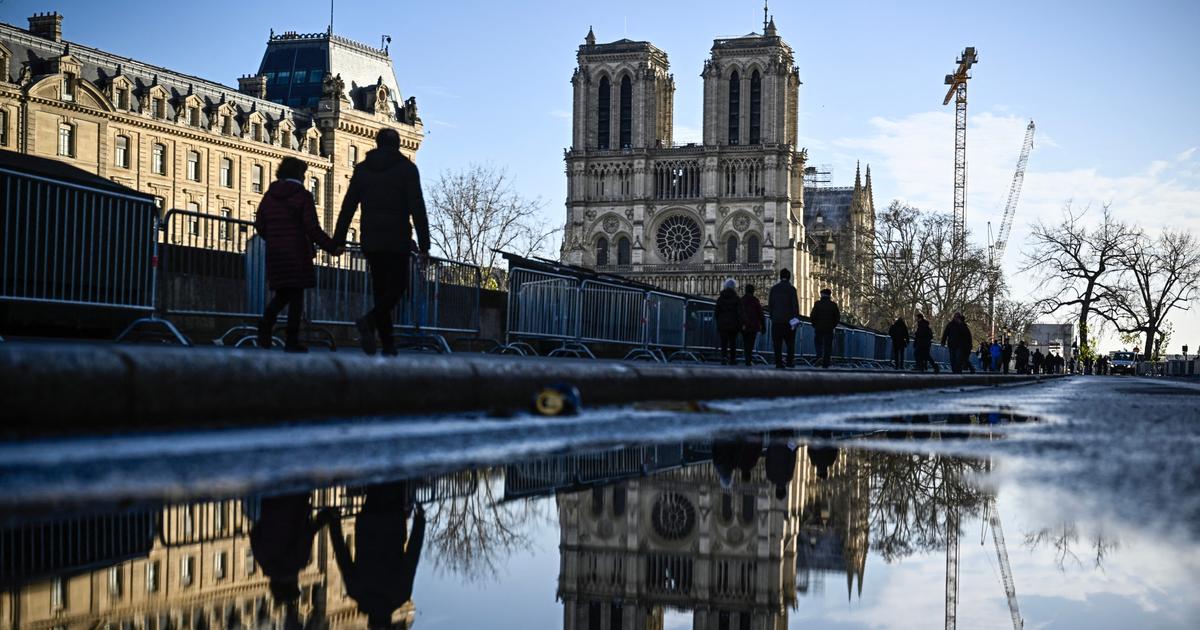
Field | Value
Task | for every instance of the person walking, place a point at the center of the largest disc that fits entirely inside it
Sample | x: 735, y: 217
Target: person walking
x: 985, y: 356
x: 1006, y: 355
x: 994, y: 351
x: 922, y: 344
x: 728, y: 314
x: 281, y: 540
x: 1022, y: 353
x: 1037, y: 360
x: 287, y: 221
x: 784, y: 307
x: 956, y: 336
x: 825, y: 317
x: 752, y: 322
x: 899, y: 334
x: 388, y: 187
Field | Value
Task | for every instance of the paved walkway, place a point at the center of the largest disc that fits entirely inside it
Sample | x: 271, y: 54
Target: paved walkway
x: 51, y: 388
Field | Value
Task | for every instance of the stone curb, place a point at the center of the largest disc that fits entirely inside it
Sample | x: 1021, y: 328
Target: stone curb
x: 52, y: 388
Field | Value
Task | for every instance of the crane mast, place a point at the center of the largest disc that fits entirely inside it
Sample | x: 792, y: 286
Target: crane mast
x: 996, y: 247
x: 958, y: 90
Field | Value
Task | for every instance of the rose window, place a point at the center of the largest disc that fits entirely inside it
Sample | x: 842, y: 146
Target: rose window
x: 673, y: 516
x: 678, y: 238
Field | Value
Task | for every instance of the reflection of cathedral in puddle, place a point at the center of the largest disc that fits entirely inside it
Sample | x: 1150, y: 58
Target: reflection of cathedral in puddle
x: 678, y: 540
x: 182, y: 567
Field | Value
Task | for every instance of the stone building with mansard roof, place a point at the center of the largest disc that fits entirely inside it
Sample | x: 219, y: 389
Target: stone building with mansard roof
x: 685, y: 217
x: 194, y: 143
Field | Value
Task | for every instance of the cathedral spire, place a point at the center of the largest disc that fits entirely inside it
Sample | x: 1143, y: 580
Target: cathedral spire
x: 590, y: 40
x: 858, y: 177
x: 764, y: 17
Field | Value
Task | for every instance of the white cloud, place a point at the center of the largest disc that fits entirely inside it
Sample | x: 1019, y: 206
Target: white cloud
x: 685, y: 134
x: 912, y: 159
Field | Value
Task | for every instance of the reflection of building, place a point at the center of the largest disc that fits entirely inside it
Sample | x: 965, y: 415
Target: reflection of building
x: 677, y: 540
x: 834, y: 521
x: 686, y: 217
x: 197, y: 572
x: 196, y: 144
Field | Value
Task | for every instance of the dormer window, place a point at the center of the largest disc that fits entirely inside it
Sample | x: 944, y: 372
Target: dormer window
x: 194, y: 116
x: 68, y: 87
x: 123, y: 98
x: 312, y: 146
x: 157, y: 107
x: 256, y: 131
x: 227, y: 125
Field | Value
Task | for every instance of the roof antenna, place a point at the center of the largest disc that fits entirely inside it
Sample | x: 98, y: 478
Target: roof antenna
x: 331, y: 17
x: 764, y: 17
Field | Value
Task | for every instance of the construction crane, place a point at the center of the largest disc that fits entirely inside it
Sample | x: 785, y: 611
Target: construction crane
x: 958, y: 90
x: 1010, y: 589
x: 996, y: 247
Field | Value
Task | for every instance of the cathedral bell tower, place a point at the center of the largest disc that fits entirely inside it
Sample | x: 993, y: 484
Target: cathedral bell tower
x: 624, y: 96
x: 751, y: 90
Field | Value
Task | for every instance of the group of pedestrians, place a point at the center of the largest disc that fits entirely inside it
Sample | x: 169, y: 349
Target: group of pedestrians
x: 744, y: 317
x: 387, y: 186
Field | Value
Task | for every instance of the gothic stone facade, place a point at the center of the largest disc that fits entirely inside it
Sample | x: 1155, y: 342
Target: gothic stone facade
x: 196, y: 144
x: 686, y: 217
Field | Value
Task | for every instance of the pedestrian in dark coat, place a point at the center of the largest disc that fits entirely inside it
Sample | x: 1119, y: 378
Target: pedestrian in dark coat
x: 781, y: 463
x: 956, y: 336
x: 985, y: 356
x: 922, y: 344
x: 752, y: 321
x: 282, y: 541
x: 287, y: 221
x: 729, y: 321
x: 1022, y: 353
x: 825, y: 317
x: 1038, y: 360
x: 1006, y: 355
x: 899, y: 334
x: 784, y: 307
x: 388, y: 186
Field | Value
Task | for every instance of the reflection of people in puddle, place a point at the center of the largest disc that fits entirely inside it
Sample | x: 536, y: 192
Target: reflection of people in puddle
x: 380, y: 575
x: 282, y: 542
x: 742, y: 454
x: 823, y: 457
x: 781, y: 463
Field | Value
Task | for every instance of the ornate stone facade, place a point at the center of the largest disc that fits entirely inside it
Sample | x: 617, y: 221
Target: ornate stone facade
x: 685, y: 217
x: 195, y: 144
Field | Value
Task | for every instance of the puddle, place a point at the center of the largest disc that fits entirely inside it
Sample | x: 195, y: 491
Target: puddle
x: 776, y: 529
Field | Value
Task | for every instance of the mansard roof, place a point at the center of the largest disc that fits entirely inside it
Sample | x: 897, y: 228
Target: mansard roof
x: 101, y: 68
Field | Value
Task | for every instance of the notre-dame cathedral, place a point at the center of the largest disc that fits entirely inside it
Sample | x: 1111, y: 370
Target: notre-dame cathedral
x: 685, y: 217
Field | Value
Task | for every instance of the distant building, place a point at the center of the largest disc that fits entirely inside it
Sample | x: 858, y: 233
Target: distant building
x: 685, y: 217
x: 1052, y: 337
x: 193, y: 143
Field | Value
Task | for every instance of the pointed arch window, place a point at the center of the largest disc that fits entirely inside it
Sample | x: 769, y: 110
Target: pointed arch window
x: 731, y: 249
x: 753, y: 249
x: 623, y: 251
x: 626, y: 112
x: 735, y: 106
x: 603, y: 113
x: 755, y: 108
x: 602, y: 252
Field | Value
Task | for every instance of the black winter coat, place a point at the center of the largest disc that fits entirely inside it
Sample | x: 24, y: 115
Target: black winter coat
x: 899, y: 334
x: 388, y: 186
x: 923, y: 338
x: 825, y: 315
x: 957, y: 335
x: 729, y: 311
x: 287, y: 221
x: 783, y: 303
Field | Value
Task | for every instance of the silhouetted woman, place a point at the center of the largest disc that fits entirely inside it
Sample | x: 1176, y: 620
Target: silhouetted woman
x: 729, y: 321
x: 287, y: 221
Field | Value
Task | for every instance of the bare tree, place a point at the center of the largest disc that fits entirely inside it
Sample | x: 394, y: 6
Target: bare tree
x: 1158, y: 275
x: 475, y: 211
x: 1074, y: 261
x: 1013, y: 318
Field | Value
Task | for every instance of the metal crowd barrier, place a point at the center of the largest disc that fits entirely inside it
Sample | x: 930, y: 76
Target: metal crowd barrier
x: 77, y: 246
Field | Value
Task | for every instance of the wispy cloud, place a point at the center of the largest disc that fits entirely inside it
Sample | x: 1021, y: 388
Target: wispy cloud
x: 685, y: 134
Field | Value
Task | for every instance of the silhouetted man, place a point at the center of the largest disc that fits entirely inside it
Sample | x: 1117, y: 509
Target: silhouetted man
x: 825, y: 317
x: 388, y: 186
x: 1006, y: 355
x: 957, y: 339
x: 282, y: 541
x: 784, y: 307
x: 899, y: 334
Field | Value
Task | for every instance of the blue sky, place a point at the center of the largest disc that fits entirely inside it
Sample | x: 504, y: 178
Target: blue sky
x: 1111, y: 85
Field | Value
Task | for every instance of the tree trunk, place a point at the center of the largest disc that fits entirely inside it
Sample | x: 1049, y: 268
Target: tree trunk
x: 1151, y: 333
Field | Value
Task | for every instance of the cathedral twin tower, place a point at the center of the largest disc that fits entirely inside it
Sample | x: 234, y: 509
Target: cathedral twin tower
x: 685, y: 217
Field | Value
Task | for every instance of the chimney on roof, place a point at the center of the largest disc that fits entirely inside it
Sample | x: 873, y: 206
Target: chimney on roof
x: 46, y: 25
x: 254, y: 85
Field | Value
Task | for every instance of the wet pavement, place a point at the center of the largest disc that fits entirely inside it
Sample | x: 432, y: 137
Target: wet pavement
x: 1077, y: 496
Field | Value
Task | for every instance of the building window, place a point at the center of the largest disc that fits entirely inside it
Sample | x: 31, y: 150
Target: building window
x: 314, y: 187
x: 312, y: 146
x: 603, y: 112
x: 227, y: 172
x: 735, y: 106
x: 755, y: 108
x: 114, y: 581
x: 602, y: 252
x: 123, y: 98
x: 193, y: 166
x: 219, y: 565
x: 3, y: 127
x: 301, y: 76
x: 66, y: 140
x: 68, y: 87
x: 623, y: 257
x: 731, y: 249
x: 256, y: 178
x: 185, y: 571
x: 121, y: 152
x: 352, y: 156
x: 283, y: 78
x: 224, y: 232
x: 157, y: 108
x: 256, y: 131
x: 152, y: 576
x: 626, y: 112
x: 194, y: 116
x: 249, y: 561
x: 158, y: 159
x: 58, y: 594
x: 227, y: 125
x: 193, y: 229
x: 753, y: 249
